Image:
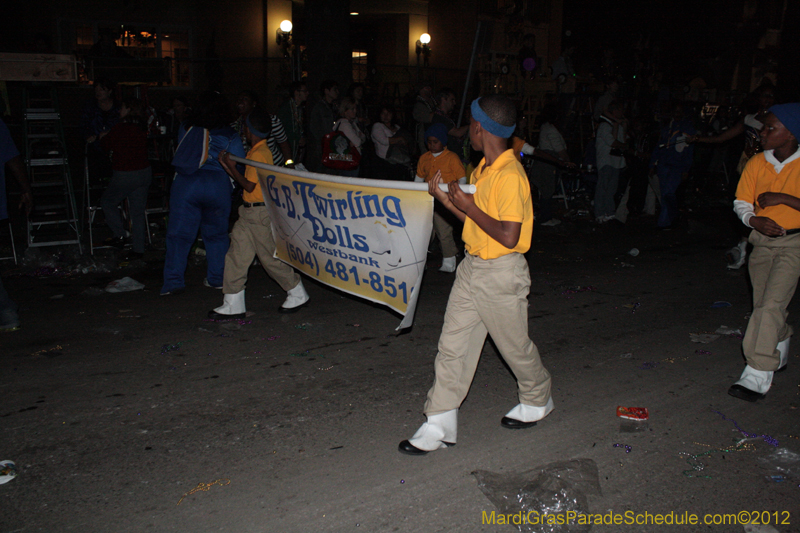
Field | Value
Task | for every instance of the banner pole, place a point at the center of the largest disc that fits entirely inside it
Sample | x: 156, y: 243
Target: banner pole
x: 382, y: 184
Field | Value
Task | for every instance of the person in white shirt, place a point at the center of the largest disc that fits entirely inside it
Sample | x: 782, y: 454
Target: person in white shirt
x: 383, y: 133
x: 612, y: 88
x: 610, y: 161
x: 749, y: 126
x: 544, y: 174
x: 393, y: 160
x: 347, y: 125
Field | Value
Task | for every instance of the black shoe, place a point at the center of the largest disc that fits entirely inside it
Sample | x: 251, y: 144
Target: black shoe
x: 287, y: 310
x: 511, y: 423
x: 409, y: 449
x: 743, y: 393
x: 115, y: 242
x: 174, y: 292
x: 209, y: 285
x: 219, y: 316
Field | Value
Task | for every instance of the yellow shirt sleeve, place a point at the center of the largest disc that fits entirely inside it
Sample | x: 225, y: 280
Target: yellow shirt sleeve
x: 262, y: 154
x: 424, y: 166
x: 455, y: 170
x: 746, y: 189
x: 516, y: 145
x: 508, y: 198
x: 758, y: 177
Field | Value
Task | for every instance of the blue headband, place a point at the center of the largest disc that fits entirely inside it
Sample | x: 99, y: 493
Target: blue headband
x: 487, y: 123
x: 253, y: 130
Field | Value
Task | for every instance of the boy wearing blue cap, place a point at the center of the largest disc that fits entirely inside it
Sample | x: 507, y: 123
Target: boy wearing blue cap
x: 439, y: 161
x: 768, y: 200
x: 489, y: 295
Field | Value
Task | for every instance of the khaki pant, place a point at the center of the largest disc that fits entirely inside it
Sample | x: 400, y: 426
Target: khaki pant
x: 444, y: 232
x: 487, y: 297
x: 252, y: 236
x: 774, y: 269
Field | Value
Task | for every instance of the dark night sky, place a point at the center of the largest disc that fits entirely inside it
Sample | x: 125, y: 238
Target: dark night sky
x: 616, y: 22
x: 688, y: 33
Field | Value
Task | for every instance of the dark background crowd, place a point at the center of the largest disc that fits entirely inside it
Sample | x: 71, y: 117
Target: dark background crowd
x: 600, y: 122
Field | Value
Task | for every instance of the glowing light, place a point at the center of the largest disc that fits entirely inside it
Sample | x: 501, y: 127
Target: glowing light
x: 424, y: 38
x: 286, y: 26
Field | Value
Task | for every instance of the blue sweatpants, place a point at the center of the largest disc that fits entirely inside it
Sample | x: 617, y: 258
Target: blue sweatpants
x: 669, y: 179
x: 8, y: 309
x: 200, y: 201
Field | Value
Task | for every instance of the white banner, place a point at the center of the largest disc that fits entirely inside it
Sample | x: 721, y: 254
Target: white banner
x: 365, y: 237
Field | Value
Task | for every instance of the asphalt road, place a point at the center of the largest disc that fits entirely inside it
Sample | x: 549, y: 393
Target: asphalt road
x: 133, y: 412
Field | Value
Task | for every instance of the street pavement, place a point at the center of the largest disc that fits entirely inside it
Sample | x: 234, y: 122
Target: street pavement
x: 133, y: 412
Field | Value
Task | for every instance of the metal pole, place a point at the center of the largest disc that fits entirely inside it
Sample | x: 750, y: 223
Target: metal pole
x: 265, y: 44
x: 469, y: 73
x: 358, y: 182
x: 298, y: 63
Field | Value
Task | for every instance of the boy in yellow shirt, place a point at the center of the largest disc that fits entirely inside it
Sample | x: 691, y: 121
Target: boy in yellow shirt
x: 252, y: 233
x: 768, y: 200
x: 492, y: 283
x: 439, y: 161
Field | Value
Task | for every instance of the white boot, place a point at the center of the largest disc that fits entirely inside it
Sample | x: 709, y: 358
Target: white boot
x: 737, y: 256
x: 783, y: 349
x: 232, y: 307
x: 295, y: 299
x: 440, y: 431
x: 752, y: 385
x: 448, y: 264
x: 524, y: 416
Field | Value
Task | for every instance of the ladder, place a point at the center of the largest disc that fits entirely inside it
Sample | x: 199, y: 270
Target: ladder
x: 11, y: 238
x: 53, y: 220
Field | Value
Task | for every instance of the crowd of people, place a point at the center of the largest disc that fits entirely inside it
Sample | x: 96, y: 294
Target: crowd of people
x: 642, y: 158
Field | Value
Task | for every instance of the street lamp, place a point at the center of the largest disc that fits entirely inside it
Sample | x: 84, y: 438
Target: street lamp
x: 423, y: 48
x: 283, y: 35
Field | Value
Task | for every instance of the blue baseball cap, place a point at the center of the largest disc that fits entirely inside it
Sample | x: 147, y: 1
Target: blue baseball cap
x: 789, y: 115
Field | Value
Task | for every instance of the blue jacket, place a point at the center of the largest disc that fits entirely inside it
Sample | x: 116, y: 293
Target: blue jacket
x: 199, y: 148
x: 672, y: 151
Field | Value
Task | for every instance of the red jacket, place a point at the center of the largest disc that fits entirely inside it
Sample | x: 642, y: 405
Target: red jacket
x: 127, y: 143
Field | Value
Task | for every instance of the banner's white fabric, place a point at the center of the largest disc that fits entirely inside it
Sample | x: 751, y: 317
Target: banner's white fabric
x: 364, y: 237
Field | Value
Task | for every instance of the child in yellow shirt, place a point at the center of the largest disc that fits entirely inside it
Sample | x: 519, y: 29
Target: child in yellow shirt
x: 439, y: 161
x: 768, y: 200
x: 252, y: 234
x: 489, y: 295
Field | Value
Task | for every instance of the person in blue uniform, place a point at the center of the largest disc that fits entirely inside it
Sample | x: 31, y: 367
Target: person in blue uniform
x: 10, y: 158
x: 671, y: 160
x: 200, y: 197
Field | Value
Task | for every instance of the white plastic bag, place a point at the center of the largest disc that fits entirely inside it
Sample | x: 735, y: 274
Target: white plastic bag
x: 125, y: 284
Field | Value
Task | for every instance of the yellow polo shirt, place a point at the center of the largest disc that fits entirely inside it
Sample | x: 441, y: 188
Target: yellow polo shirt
x: 759, y: 176
x: 503, y: 193
x: 447, y: 162
x: 261, y: 153
x: 516, y: 145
